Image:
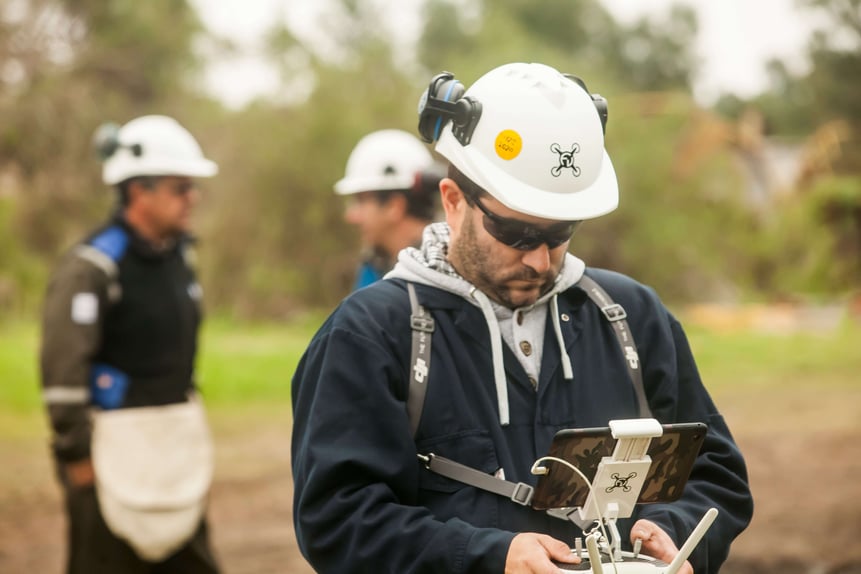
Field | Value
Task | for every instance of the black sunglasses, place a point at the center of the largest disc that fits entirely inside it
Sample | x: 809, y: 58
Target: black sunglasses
x: 521, y: 235
x: 181, y: 187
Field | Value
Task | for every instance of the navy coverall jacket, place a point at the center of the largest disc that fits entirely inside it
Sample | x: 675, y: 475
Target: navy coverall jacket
x: 364, y: 503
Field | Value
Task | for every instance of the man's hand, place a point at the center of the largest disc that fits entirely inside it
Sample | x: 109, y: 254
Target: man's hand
x: 80, y: 473
x: 531, y: 553
x: 656, y: 543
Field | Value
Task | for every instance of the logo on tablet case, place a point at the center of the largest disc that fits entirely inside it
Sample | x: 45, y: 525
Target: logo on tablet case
x: 620, y: 482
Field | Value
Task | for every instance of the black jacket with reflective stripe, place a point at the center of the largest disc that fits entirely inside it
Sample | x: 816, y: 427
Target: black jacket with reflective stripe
x: 143, y: 322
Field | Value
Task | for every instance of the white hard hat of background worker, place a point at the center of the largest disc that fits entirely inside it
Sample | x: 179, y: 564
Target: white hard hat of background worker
x: 386, y: 163
x: 150, y: 145
x: 392, y: 185
x: 384, y: 160
x: 527, y: 134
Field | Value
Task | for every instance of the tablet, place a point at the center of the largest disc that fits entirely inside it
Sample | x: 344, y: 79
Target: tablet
x: 673, y: 455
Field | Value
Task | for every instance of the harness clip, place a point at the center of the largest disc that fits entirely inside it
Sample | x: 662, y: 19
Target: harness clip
x: 522, y: 494
x: 422, y: 323
x: 614, y: 312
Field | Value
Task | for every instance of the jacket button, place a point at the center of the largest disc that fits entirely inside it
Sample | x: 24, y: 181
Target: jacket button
x: 533, y: 382
x: 526, y: 348
x: 564, y: 317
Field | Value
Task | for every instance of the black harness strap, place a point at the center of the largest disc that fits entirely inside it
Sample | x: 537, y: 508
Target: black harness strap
x: 616, y: 315
x: 422, y: 325
x: 519, y: 492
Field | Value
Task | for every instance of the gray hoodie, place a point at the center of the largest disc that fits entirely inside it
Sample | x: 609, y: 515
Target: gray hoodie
x: 522, y: 329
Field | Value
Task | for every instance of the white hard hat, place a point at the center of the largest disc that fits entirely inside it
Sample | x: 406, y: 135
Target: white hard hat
x: 537, y: 144
x: 384, y: 160
x: 150, y: 145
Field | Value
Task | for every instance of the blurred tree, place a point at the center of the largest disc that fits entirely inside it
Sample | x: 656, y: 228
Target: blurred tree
x: 646, y: 55
x: 75, y: 64
x: 65, y: 67
x: 813, y: 243
x: 272, y: 235
x: 796, y: 103
x: 284, y: 157
x: 654, y: 55
x: 446, y: 37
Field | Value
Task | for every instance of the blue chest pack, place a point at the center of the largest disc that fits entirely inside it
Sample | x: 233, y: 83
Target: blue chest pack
x: 108, y: 385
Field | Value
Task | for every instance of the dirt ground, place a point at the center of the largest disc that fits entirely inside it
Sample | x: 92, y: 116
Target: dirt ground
x: 803, y: 450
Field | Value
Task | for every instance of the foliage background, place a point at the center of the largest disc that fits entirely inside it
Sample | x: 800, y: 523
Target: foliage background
x: 701, y: 220
x: 272, y: 237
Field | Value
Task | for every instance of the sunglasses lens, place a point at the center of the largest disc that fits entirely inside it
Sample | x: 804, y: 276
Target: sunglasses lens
x: 521, y: 235
x: 526, y: 237
x: 503, y: 233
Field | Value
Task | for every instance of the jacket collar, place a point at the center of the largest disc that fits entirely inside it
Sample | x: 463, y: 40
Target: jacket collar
x: 145, y: 248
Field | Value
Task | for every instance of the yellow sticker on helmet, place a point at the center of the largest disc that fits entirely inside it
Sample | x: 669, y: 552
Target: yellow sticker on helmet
x: 508, y: 144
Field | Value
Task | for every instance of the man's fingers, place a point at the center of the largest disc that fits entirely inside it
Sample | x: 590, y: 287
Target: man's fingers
x: 532, y: 553
x: 657, y: 543
x: 558, y: 550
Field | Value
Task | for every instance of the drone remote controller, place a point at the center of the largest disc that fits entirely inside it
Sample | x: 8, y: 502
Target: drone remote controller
x: 598, y: 560
x: 613, y: 493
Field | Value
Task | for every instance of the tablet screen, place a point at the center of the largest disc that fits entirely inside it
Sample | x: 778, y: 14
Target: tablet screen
x: 673, y: 455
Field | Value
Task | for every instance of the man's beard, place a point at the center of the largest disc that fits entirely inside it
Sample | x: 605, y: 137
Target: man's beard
x: 472, y: 264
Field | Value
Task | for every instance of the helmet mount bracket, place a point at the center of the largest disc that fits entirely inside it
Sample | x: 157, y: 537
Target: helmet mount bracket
x: 442, y: 102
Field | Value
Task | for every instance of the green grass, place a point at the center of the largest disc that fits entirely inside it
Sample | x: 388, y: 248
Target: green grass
x: 251, y: 363
x: 241, y: 366
x: 19, y: 392
x: 249, y: 366
x: 735, y: 361
x: 238, y: 363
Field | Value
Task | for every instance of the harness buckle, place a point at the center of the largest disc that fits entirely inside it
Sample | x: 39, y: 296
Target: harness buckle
x: 614, y: 312
x: 522, y: 494
x: 422, y: 323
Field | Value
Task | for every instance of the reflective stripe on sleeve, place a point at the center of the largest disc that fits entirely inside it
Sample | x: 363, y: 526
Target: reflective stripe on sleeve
x: 98, y: 259
x: 66, y: 395
x: 106, y: 264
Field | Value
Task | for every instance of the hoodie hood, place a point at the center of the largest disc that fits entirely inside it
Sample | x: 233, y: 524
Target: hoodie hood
x: 429, y: 265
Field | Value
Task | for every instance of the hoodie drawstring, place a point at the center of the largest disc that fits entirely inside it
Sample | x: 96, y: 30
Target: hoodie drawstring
x: 496, y: 351
x: 566, y: 360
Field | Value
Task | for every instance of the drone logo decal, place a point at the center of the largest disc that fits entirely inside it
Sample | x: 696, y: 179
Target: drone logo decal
x: 620, y: 482
x: 566, y: 159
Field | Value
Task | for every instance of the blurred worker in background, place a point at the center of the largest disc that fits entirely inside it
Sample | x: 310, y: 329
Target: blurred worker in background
x: 392, y: 184
x: 119, y: 340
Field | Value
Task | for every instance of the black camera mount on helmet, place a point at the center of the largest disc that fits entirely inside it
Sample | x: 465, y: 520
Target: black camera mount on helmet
x: 442, y: 101
x: 106, y: 141
x: 599, y: 101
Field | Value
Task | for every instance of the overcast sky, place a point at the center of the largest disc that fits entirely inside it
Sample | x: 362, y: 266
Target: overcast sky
x: 737, y: 37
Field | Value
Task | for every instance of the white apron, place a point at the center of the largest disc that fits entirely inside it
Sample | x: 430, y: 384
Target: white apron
x: 153, y: 468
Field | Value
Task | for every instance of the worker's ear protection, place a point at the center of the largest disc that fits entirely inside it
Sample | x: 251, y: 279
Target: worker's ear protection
x: 443, y: 101
x: 106, y: 141
x: 599, y: 101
